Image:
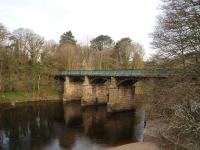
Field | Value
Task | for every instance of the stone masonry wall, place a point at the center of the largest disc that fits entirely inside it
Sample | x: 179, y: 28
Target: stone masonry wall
x: 72, y: 90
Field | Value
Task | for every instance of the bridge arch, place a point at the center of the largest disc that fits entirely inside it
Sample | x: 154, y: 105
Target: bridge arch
x: 126, y: 82
x: 99, y: 80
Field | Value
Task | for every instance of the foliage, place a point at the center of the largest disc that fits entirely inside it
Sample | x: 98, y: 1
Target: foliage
x: 101, y: 42
x: 123, y: 50
x: 28, y: 62
x: 67, y: 37
x: 24, y: 63
x: 129, y: 54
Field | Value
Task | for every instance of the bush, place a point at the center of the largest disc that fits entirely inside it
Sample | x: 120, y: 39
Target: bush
x: 177, y: 100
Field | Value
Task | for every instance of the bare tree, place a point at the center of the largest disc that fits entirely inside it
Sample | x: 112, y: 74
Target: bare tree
x: 178, y: 29
x: 29, y: 42
x: 31, y: 45
x: 3, y: 33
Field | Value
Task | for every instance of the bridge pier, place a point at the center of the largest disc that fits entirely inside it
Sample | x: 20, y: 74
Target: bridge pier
x: 120, y: 97
x: 101, y: 94
x: 93, y: 92
x: 87, y: 93
x: 72, y: 90
x: 66, y: 91
x: 100, y: 90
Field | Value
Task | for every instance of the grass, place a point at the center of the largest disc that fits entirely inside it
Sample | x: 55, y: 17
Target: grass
x: 12, y: 96
x: 20, y: 96
x: 53, y: 93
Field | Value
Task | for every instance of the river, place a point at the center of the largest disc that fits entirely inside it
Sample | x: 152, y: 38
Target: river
x: 58, y: 126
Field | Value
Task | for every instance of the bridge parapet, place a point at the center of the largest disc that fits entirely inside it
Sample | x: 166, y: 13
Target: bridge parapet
x: 118, y: 73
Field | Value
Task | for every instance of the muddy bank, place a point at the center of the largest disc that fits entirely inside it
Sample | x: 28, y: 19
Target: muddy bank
x: 152, y: 138
x: 150, y: 143
x: 137, y: 146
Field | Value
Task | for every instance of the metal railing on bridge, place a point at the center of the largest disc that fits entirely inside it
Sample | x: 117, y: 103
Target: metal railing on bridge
x: 128, y: 73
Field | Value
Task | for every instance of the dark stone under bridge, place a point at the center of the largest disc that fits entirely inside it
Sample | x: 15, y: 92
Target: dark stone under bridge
x: 116, y: 88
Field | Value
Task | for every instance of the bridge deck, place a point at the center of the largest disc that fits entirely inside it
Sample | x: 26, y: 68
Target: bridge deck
x: 116, y: 73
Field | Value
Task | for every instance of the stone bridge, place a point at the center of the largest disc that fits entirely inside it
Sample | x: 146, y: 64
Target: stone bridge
x: 116, y: 88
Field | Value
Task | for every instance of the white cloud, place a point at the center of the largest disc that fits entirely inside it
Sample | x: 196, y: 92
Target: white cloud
x: 86, y: 19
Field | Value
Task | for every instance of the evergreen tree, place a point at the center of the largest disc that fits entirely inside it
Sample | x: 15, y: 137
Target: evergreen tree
x: 101, y: 42
x: 67, y: 37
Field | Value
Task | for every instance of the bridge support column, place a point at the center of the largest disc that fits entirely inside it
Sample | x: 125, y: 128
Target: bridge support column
x: 120, y: 97
x: 66, y: 92
x: 101, y: 94
x: 113, y: 95
x: 72, y: 91
x: 143, y: 90
x: 87, y: 93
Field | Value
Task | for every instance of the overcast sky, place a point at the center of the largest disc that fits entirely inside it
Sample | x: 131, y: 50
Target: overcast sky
x: 85, y: 18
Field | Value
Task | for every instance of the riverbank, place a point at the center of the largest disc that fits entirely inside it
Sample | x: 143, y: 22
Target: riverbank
x: 152, y: 138
x: 137, y: 146
x: 12, y: 98
x: 150, y: 143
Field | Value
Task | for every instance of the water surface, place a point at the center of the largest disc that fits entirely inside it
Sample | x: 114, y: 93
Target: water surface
x: 57, y: 126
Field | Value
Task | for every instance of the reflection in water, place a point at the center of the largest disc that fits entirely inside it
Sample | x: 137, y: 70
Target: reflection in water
x: 139, y: 126
x: 84, y: 143
x: 72, y: 113
x: 59, y: 126
x: 94, y: 122
x: 29, y: 126
x: 120, y: 127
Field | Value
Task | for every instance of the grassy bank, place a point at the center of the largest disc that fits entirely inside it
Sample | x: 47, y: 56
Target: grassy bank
x: 18, y: 96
